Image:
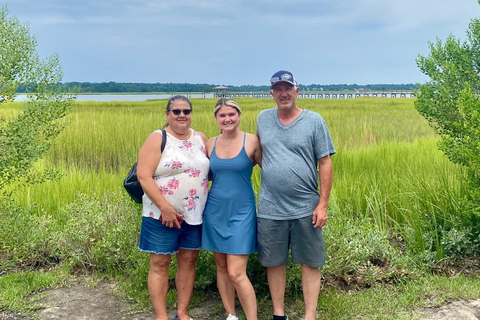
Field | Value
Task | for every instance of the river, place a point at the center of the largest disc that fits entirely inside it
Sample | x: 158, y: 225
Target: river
x: 125, y: 97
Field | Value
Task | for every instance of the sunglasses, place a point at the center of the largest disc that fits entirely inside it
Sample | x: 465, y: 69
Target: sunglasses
x: 178, y: 111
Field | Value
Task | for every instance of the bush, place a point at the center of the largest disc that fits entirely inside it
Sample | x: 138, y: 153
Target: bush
x: 99, y: 233
x: 25, y: 238
x: 450, y: 102
x: 25, y: 138
x: 356, y: 243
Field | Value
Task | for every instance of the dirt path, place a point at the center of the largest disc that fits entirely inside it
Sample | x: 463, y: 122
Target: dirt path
x: 458, y: 310
x: 80, y: 302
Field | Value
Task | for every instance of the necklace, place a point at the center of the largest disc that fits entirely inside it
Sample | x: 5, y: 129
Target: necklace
x: 227, y: 144
x: 233, y: 135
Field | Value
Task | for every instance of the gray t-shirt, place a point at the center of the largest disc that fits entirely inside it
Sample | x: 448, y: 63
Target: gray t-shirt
x: 289, y: 188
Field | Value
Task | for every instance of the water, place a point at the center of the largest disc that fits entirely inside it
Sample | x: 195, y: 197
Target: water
x: 126, y: 97
x: 234, y: 95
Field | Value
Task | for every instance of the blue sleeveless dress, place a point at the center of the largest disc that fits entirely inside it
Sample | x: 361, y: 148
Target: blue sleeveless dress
x: 229, y: 219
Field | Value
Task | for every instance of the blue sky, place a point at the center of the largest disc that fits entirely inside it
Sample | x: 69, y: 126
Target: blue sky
x: 237, y: 42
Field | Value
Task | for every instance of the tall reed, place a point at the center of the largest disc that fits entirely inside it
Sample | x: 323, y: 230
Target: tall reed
x: 387, y: 166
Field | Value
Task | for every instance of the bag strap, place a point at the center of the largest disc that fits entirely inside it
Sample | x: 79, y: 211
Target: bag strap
x: 164, y: 140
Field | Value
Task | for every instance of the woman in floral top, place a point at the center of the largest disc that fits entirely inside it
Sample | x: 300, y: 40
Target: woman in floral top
x: 175, y: 182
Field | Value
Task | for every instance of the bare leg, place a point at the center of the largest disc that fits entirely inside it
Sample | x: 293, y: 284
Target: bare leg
x: 276, y: 282
x: 237, y: 271
x: 224, y: 284
x: 185, y: 280
x: 158, y: 284
x: 311, y: 290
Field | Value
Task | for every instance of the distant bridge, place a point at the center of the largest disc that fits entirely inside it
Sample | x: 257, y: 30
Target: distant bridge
x: 323, y: 95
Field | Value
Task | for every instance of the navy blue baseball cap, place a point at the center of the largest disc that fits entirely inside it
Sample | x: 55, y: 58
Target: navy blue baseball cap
x: 282, y: 76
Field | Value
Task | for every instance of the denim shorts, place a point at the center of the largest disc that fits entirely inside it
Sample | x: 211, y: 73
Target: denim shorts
x: 276, y: 237
x: 159, y: 239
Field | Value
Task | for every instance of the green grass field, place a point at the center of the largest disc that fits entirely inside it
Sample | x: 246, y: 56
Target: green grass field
x: 387, y: 166
x: 394, y: 203
x: 386, y: 152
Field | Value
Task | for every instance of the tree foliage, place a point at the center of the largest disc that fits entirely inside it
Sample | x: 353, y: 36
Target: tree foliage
x: 134, y: 87
x: 450, y: 101
x: 26, y: 137
x: 20, y: 63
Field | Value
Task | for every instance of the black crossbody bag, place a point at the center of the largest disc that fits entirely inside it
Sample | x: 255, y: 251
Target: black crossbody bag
x: 131, y: 183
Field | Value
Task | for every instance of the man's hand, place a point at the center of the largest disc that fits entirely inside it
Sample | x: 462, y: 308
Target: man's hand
x: 320, y: 217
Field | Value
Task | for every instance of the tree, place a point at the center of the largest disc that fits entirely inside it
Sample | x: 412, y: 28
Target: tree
x: 450, y: 102
x: 26, y: 138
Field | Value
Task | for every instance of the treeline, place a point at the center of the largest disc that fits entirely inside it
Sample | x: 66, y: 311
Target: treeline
x: 136, y: 87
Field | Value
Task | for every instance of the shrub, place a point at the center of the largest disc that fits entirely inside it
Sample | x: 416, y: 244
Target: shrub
x: 99, y: 233
x: 450, y: 102
x: 24, y: 238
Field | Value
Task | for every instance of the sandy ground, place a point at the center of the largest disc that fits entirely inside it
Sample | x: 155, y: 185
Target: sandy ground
x: 80, y: 302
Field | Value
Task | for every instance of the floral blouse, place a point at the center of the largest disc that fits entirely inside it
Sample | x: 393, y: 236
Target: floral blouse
x: 182, y: 177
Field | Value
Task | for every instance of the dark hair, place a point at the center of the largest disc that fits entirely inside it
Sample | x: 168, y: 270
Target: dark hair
x: 175, y: 98
x: 172, y: 100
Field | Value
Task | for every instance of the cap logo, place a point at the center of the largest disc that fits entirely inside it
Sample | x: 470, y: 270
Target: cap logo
x: 283, y: 75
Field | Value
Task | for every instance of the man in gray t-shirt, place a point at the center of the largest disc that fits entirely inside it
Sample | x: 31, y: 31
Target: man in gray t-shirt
x: 297, y: 150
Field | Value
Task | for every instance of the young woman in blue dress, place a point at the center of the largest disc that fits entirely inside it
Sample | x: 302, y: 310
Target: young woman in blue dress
x: 229, y: 220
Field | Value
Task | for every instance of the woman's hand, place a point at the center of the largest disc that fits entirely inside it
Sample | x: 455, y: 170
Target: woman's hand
x: 170, y: 217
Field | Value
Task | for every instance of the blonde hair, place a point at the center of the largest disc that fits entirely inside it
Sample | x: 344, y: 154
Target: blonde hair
x: 226, y: 102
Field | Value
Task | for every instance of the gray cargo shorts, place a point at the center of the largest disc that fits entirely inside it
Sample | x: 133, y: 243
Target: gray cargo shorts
x: 276, y: 237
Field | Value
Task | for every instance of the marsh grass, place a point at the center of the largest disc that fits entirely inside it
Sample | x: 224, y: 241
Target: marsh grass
x: 390, y: 183
x: 387, y: 165
x: 109, y: 135
x: 104, y: 138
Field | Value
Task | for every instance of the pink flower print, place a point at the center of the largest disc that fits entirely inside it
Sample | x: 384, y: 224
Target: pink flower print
x: 163, y: 190
x: 194, y: 173
x: 191, y: 204
x: 193, y: 192
x: 176, y: 164
x: 187, y: 144
x: 202, y: 148
x: 205, y: 185
x: 173, y: 184
x: 151, y: 214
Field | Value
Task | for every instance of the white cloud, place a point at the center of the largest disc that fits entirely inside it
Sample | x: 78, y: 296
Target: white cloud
x: 236, y: 41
